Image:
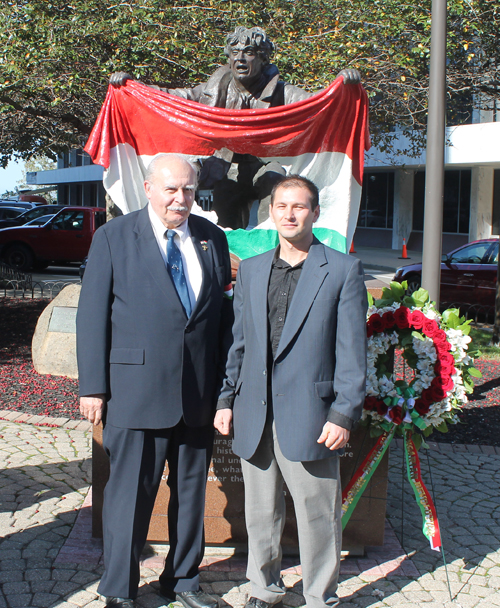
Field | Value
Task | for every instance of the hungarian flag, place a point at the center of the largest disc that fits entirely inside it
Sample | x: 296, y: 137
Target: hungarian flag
x: 322, y: 138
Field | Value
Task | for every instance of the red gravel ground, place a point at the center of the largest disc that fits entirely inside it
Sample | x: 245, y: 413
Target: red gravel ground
x: 23, y: 390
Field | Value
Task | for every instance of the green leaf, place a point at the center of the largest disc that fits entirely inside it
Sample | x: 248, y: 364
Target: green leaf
x: 383, y: 302
x: 370, y: 298
x: 409, y: 301
x: 417, y: 440
x: 474, y: 372
x: 443, y: 427
x: 428, y: 431
x: 418, y: 335
x: 451, y: 319
x: 397, y: 289
x: 421, y: 296
x: 375, y: 431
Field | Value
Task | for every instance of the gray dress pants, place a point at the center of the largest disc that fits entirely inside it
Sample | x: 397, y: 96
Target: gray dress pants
x: 316, y: 492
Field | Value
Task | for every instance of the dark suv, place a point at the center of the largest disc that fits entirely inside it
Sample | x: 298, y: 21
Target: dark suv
x: 30, y: 214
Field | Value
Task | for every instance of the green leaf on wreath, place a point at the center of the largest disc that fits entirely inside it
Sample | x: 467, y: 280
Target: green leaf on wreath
x: 405, y: 338
x: 452, y: 321
x: 386, y: 299
x: 428, y: 431
x: 465, y: 327
x: 474, y: 372
x: 443, y: 427
x: 409, y: 301
x: 421, y: 296
x: 418, y: 335
x: 370, y: 298
x: 375, y: 431
x: 451, y: 317
x: 397, y: 289
x: 417, y: 440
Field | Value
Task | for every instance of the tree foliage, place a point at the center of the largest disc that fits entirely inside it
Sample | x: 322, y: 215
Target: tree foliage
x: 56, y: 56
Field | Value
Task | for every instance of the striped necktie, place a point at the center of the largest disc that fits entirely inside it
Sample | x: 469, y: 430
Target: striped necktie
x: 176, y: 271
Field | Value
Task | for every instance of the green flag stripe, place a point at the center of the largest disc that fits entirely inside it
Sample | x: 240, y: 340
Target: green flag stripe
x: 247, y: 243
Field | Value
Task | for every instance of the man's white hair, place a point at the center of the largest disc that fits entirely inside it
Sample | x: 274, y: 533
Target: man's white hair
x: 150, y: 171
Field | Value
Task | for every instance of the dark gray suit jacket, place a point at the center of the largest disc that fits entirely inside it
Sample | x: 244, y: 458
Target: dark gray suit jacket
x: 134, y: 341
x: 319, y: 372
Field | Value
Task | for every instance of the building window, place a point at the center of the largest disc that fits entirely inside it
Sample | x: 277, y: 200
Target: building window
x: 377, y: 201
x: 456, y: 202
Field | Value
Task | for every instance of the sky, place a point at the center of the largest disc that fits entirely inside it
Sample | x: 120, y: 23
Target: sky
x: 10, y: 176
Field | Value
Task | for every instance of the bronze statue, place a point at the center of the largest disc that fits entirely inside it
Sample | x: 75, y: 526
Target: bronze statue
x: 248, y: 80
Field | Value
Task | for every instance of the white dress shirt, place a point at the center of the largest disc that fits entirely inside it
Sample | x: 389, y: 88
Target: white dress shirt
x: 184, y: 241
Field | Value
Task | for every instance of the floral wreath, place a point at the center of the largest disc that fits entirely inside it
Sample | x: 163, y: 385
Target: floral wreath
x: 434, y: 347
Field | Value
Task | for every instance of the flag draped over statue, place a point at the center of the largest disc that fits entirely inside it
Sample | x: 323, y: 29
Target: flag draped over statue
x: 323, y: 138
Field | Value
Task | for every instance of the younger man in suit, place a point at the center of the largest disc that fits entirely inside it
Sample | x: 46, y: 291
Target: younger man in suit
x: 294, y: 389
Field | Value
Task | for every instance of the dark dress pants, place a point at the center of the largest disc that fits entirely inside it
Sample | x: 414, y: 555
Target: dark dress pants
x: 137, y: 460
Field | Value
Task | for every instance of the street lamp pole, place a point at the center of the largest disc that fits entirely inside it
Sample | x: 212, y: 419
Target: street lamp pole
x: 434, y: 166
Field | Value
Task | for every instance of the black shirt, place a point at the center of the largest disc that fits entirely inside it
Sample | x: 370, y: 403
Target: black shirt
x: 282, y: 284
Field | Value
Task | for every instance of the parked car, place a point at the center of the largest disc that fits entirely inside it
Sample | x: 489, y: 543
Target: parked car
x: 39, y: 221
x: 468, y: 276
x: 9, y: 213
x: 28, y: 215
x: 64, y: 238
x: 19, y: 204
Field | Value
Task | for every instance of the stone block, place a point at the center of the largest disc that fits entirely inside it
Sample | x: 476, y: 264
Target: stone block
x: 224, y: 505
x: 54, y: 341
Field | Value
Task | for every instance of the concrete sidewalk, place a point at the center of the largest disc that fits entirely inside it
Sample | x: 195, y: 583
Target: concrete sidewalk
x: 46, y: 560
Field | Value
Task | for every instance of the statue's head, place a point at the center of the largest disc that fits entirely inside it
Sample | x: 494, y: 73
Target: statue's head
x: 248, y: 50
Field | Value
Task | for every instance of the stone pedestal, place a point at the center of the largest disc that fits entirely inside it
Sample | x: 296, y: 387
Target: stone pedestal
x: 224, y: 507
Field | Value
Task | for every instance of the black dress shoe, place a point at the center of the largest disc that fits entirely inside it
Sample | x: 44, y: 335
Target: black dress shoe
x: 120, y: 602
x: 190, y: 599
x: 254, y: 602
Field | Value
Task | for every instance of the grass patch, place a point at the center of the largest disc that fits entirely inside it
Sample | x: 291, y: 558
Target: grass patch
x: 481, y: 340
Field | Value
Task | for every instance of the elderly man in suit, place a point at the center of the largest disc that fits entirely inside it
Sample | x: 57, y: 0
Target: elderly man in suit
x: 294, y: 390
x: 153, y: 329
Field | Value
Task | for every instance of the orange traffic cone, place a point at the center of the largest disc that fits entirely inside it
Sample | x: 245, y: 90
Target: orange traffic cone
x: 352, y: 250
x: 404, y: 253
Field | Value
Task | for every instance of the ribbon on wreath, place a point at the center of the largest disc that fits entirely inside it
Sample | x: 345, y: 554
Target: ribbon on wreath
x: 430, y: 526
x: 355, y: 488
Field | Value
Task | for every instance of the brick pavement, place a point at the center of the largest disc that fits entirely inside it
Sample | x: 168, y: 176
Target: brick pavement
x: 46, y: 560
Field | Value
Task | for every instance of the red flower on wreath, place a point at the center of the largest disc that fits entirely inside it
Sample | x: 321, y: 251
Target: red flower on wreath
x: 426, y: 397
x: 430, y: 328
x: 381, y: 408
x: 437, y: 393
x: 440, y: 338
x: 418, y: 319
x: 389, y: 320
x: 376, y: 323
x: 402, y: 317
x: 421, y: 407
x: 370, y: 403
x: 396, y: 414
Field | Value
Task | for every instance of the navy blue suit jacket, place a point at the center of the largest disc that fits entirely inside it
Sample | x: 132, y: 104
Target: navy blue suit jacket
x: 134, y: 341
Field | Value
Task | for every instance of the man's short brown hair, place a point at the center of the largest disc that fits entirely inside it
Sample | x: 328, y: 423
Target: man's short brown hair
x: 297, y: 181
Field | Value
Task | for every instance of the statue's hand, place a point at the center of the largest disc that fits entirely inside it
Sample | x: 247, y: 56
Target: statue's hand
x: 350, y: 76
x: 118, y: 79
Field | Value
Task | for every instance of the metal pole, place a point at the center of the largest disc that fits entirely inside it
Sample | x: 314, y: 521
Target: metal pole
x: 434, y: 167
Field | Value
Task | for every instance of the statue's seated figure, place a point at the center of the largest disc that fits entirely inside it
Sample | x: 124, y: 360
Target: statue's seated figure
x: 247, y: 81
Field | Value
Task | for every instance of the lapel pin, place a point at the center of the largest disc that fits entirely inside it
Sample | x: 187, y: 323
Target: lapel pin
x: 204, y: 245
